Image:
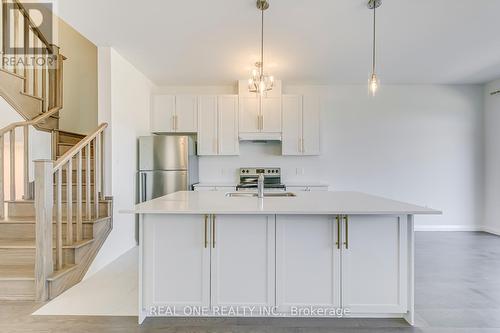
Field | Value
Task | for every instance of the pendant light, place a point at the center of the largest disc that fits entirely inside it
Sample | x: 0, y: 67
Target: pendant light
x: 373, y: 81
x: 260, y: 82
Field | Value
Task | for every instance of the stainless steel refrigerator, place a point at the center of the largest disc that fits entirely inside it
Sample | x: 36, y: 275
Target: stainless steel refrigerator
x: 167, y: 164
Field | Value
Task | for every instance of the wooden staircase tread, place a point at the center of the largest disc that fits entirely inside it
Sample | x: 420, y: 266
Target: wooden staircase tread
x: 30, y: 95
x: 17, y: 272
x: 64, y: 201
x: 30, y: 244
x: 60, y: 273
x: 31, y: 220
x: 73, y: 134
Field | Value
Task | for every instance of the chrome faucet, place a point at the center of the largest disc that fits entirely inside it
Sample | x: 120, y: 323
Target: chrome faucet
x: 260, y: 186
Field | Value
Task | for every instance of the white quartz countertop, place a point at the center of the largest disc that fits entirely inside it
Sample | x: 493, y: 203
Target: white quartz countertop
x: 323, y: 202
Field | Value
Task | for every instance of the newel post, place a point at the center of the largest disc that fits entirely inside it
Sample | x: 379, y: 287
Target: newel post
x: 44, y: 266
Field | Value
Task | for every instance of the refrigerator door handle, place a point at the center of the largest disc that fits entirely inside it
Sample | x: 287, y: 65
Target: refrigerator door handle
x: 143, y: 187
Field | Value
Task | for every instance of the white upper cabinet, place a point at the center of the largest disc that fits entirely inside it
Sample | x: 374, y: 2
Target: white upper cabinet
x: 301, y: 125
x: 249, y: 113
x: 186, y: 114
x: 163, y: 113
x: 228, y: 143
x: 292, y: 125
x: 259, y: 114
x: 174, y: 114
x: 218, y: 125
x: 207, y: 125
x: 311, y: 125
x: 271, y: 114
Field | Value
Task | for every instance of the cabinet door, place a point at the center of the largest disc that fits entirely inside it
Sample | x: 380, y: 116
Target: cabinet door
x: 292, y: 125
x: 311, y: 125
x: 208, y: 124
x: 176, y: 261
x: 249, y: 114
x: 307, y: 261
x: 242, y: 260
x: 162, y: 114
x: 271, y: 114
x: 374, y: 267
x: 186, y: 113
x: 228, y: 125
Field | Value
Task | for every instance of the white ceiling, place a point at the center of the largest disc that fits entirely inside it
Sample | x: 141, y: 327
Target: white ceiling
x: 216, y: 42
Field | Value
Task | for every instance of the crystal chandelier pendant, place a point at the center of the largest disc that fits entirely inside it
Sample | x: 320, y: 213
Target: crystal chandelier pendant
x: 260, y: 82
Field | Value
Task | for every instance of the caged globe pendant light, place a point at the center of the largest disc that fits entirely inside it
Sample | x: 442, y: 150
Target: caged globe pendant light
x: 260, y: 82
x: 373, y: 81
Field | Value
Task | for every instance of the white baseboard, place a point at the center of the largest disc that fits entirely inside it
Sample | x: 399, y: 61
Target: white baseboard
x: 448, y: 228
x: 491, y: 230
x: 457, y: 228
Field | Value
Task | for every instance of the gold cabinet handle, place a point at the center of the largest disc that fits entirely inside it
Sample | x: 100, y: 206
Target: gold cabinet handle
x: 346, y: 242
x: 337, y: 218
x: 213, y: 231
x: 206, y: 229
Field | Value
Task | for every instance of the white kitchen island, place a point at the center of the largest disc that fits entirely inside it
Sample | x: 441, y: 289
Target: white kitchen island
x: 318, y: 254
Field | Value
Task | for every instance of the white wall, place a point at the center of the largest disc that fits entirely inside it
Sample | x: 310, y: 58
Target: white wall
x: 80, y: 81
x: 124, y: 95
x: 492, y: 157
x: 421, y: 144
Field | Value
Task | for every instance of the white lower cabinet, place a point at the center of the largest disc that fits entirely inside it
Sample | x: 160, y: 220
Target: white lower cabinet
x: 242, y: 260
x: 358, y: 263
x: 374, y: 264
x: 307, y: 262
x: 177, y: 261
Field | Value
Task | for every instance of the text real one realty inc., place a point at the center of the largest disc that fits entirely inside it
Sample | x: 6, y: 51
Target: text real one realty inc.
x: 247, y: 311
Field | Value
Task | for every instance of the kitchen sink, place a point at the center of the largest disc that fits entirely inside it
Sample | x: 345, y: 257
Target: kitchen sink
x: 266, y: 195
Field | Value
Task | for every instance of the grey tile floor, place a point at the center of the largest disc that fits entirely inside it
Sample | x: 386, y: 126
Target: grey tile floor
x: 457, y: 291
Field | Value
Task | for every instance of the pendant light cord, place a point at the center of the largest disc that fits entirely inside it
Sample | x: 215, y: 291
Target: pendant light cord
x: 262, y: 42
x: 374, y: 33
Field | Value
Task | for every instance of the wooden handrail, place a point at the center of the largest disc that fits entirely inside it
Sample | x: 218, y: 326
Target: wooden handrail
x: 31, y: 122
x: 61, y: 161
x: 34, y: 27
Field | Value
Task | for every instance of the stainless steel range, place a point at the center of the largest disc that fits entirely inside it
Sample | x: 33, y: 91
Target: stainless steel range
x: 249, y: 179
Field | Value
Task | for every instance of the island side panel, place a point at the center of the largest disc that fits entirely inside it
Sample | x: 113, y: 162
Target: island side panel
x: 410, y: 315
x: 142, y: 310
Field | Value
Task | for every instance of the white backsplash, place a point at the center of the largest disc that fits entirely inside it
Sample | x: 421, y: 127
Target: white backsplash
x: 252, y: 154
